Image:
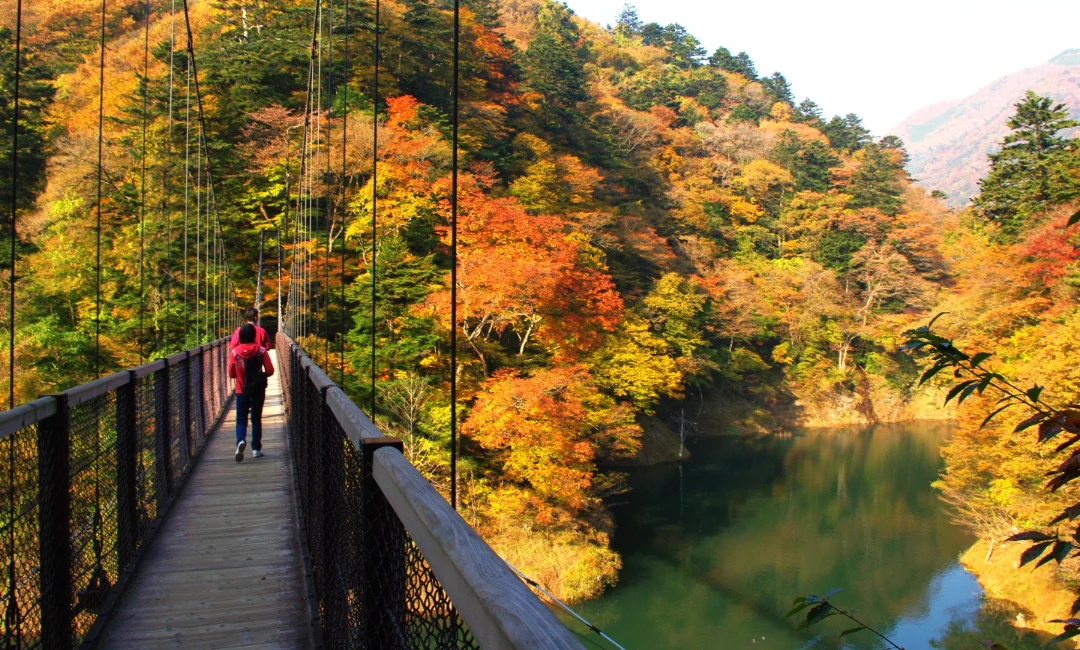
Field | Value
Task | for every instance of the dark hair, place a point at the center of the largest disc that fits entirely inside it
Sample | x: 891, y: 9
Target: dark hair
x: 251, y: 314
x: 247, y: 333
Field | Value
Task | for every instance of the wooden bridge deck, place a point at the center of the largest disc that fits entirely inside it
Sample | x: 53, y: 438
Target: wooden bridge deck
x: 225, y: 569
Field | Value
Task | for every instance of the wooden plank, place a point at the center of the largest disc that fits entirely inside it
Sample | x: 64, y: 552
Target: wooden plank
x: 225, y: 570
x: 501, y: 612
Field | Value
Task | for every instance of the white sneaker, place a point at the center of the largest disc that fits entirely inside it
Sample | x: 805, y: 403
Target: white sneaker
x: 258, y: 453
x: 240, y: 450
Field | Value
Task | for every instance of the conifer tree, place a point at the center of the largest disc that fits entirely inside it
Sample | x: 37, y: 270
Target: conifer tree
x: 553, y: 64
x: 809, y: 112
x: 779, y: 88
x: 34, y: 95
x: 1030, y: 173
x: 878, y: 181
x: 628, y: 23
x: 846, y: 133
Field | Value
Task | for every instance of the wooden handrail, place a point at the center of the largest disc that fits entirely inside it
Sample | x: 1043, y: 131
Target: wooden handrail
x: 501, y: 612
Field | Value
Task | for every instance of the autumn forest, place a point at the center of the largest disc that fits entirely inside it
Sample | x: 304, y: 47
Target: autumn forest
x: 643, y: 227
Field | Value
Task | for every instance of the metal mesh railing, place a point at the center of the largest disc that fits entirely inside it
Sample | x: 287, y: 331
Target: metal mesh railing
x: 85, y: 475
x: 374, y: 587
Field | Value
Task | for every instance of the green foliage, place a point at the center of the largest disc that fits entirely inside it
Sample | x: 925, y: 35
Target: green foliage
x: 820, y: 609
x: 835, y: 248
x: 628, y: 23
x: 34, y: 94
x: 779, y: 88
x: 553, y: 65
x: 809, y: 162
x: 847, y: 133
x: 742, y: 113
x: 739, y: 64
x: 1033, y: 169
x: 878, y: 182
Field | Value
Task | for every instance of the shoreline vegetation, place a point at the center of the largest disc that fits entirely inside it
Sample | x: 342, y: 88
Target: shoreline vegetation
x: 1040, y: 594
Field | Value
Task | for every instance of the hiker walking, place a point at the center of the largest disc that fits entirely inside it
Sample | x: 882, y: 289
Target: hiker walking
x: 249, y: 365
x: 251, y: 315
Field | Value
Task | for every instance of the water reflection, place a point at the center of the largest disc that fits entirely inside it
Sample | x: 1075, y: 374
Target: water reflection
x: 714, y: 552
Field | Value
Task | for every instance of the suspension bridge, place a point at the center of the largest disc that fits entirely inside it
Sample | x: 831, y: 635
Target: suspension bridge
x: 126, y: 521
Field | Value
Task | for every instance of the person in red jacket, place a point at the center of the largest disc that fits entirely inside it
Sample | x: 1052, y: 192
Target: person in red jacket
x: 251, y: 315
x: 250, y: 365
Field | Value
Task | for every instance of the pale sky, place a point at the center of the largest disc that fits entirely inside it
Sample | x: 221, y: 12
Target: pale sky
x: 881, y: 60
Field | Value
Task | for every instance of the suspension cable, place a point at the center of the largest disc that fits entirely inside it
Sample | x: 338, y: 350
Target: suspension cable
x: 198, y: 217
x: 14, y: 204
x: 326, y: 185
x: 211, y: 194
x: 166, y: 204
x: 560, y: 604
x: 142, y: 201
x: 101, y: 153
x: 296, y: 299
x: 187, y: 172
x: 98, y: 542
x: 12, y: 618
x: 453, y: 262
x: 344, y: 205
x: 374, y: 198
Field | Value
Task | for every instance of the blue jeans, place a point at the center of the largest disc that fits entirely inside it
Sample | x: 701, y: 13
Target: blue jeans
x: 254, y: 405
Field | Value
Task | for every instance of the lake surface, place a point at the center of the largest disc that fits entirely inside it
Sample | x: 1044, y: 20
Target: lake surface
x: 715, y: 551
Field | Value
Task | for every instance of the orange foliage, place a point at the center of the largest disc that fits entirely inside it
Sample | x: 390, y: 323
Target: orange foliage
x: 546, y: 430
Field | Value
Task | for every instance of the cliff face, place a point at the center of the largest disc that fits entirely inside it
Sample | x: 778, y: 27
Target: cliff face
x: 949, y: 141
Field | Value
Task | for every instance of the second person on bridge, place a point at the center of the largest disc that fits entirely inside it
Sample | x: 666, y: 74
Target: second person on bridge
x: 249, y: 365
x: 251, y: 315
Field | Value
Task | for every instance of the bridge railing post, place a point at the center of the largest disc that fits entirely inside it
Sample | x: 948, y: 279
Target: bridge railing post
x: 382, y: 591
x: 127, y: 521
x: 54, y: 490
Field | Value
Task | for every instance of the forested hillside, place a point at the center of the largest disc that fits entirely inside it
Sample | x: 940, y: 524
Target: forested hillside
x: 949, y: 142
x: 640, y: 221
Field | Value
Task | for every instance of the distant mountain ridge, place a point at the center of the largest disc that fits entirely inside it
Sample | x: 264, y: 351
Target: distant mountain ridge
x: 949, y: 141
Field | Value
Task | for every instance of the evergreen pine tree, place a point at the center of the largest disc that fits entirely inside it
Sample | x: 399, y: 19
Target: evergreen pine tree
x: 652, y: 34
x: 486, y: 11
x: 553, y: 65
x: 722, y: 59
x: 846, y: 133
x: 809, y: 112
x: 628, y: 23
x: 684, y: 48
x: 745, y: 66
x: 779, y: 88
x: 878, y: 181
x: 1030, y: 173
x: 808, y: 162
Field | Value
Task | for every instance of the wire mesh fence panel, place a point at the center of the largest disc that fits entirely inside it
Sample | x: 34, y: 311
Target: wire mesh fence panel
x: 149, y: 487
x: 21, y: 618
x: 179, y: 443
x: 374, y: 586
x: 197, y: 430
x: 207, y: 392
x: 82, y: 487
x: 93, y: 522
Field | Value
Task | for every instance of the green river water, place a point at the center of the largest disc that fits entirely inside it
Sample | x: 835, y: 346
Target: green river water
x: 715, y: 551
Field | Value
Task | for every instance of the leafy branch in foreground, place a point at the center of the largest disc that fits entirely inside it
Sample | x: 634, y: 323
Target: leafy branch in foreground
x: 974, y: 377
x: 821, y: 609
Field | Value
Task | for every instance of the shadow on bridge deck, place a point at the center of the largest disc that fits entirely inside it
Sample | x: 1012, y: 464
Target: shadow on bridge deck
x: 225, y: 569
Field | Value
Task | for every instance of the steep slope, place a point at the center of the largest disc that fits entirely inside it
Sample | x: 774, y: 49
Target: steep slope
x: 948, y: 141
